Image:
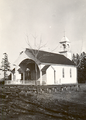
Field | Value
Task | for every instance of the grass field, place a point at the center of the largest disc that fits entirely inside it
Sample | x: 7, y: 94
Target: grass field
x: 24, y: 103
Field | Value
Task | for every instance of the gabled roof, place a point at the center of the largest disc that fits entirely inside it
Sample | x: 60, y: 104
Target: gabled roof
x: 48, y: 57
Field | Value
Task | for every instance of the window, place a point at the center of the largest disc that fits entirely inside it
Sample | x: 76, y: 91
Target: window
x: 63, y: 72
x: 54, y: 76
x: 70, y: 72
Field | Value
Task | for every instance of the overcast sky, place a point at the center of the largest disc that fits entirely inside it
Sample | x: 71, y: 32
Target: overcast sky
x: 46, y: 19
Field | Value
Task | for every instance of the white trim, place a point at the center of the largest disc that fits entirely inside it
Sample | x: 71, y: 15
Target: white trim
x: 57, y: 64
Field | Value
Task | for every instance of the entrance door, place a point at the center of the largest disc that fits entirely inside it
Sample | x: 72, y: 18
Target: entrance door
x: 27, y: 74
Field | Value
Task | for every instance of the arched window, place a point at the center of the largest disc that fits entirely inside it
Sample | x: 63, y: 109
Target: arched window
x: 63, y: 73
x: 70, y: 72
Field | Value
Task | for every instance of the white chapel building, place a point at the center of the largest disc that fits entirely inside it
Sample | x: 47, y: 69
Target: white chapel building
x: 45, y: 68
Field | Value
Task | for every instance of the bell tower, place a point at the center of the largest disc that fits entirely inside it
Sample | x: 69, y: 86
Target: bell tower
x: 65, y: 48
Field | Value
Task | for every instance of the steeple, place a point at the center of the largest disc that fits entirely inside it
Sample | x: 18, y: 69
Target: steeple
x: 65, y: 48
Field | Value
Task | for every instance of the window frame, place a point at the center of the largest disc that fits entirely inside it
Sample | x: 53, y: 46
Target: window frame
x: 70, y: 73
x: 63, y: 73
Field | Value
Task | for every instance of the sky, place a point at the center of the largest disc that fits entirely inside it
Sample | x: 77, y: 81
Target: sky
x: 45, y: 20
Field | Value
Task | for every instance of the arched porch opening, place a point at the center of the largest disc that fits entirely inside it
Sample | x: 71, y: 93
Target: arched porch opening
x: 29, y: 71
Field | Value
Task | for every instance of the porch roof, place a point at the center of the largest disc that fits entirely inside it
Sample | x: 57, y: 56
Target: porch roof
x: 45, y: 67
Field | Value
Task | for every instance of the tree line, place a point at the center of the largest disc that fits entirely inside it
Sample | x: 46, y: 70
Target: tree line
x: 80, y: 62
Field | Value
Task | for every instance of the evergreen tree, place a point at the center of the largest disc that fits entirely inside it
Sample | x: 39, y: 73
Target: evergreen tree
x: 5, y: 65
x: 76, y: 59
x: 82, y: 69
x: 80, y: 61
x: 83, y: 53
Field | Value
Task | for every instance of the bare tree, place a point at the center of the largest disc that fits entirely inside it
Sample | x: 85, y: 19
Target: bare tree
x: 35, y: 51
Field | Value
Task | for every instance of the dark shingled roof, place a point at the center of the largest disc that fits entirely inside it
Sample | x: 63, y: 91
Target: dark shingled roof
x: 48, y: 57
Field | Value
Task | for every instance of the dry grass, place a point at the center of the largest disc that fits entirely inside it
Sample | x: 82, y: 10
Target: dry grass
x: 22, y: 103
